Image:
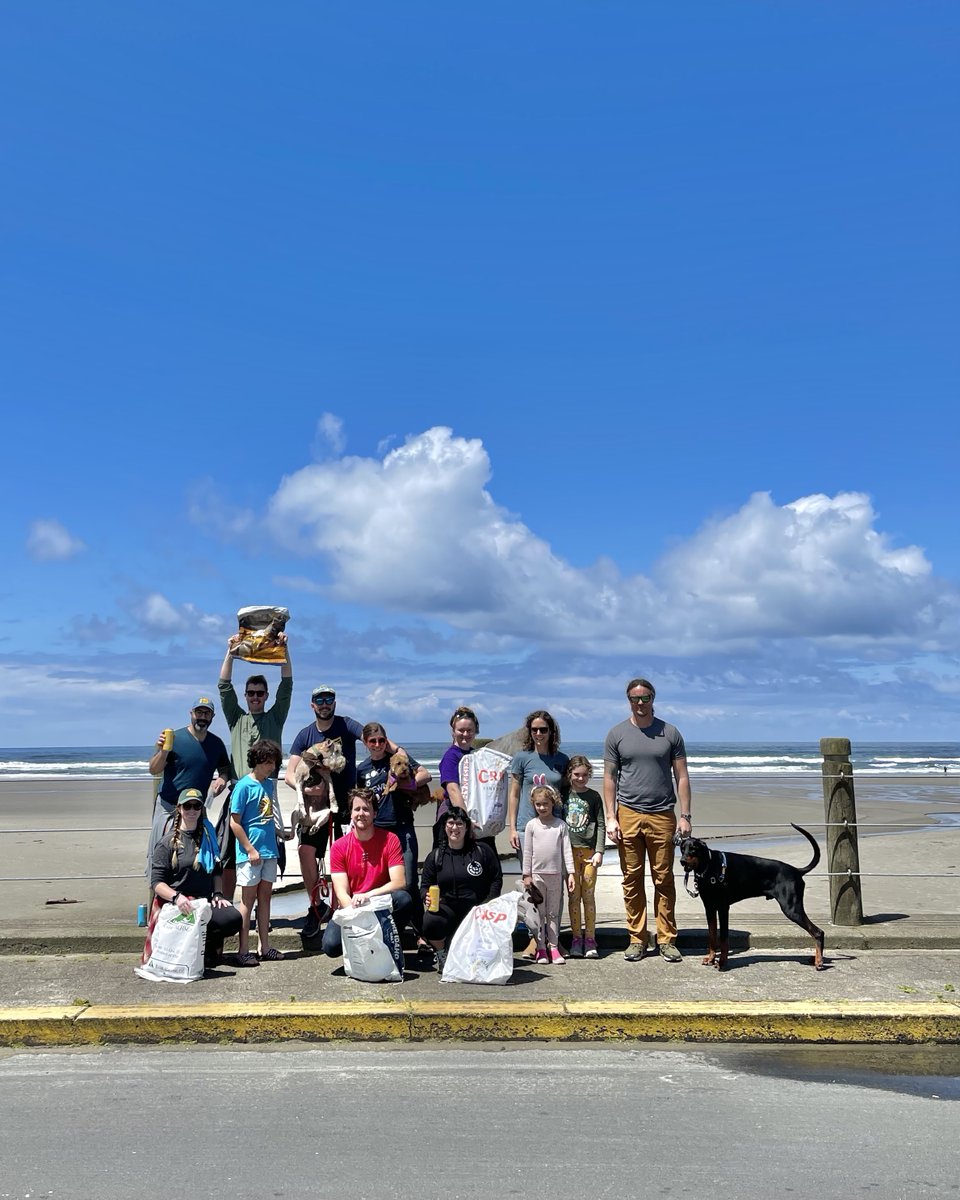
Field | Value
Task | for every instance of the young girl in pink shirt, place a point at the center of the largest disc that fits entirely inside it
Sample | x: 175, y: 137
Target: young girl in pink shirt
x: 547, y: 857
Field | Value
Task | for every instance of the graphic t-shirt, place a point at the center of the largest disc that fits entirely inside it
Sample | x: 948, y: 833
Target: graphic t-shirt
x: 585, y: 819
x: 252, y: 803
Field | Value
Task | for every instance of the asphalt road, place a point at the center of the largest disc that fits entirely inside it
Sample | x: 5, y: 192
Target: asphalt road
x: 299, y: 1121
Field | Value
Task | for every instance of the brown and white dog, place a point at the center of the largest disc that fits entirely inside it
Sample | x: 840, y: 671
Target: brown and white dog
x: 314, y: 769
x: 402, y: 778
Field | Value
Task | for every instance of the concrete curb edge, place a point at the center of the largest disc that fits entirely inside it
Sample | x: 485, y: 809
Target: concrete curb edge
x: 847, y: 1022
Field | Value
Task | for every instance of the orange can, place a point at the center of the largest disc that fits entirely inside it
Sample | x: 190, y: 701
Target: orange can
x: 433, y: 899
x: 168, y: 739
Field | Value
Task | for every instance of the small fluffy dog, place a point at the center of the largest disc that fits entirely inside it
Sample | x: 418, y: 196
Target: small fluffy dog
x: 314, y: 769
x: 402, y: 778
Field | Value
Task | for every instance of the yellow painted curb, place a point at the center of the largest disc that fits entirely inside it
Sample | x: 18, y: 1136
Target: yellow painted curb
x: 47, y: 1026
x: 731, y: 1021
x: 320, y: 1021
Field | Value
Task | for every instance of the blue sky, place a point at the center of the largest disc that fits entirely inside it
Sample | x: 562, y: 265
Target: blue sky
x: 516, y: 349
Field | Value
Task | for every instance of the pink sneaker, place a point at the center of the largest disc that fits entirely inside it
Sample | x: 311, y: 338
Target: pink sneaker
x: 590, y: 949
x: 542, y: 957
x: 576, y: 947
x: 556, y: 957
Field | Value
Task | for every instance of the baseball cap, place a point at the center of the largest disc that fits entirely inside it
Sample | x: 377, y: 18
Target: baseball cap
x: 323, y: 690
x: 190, y: 794
x: 204, y: 702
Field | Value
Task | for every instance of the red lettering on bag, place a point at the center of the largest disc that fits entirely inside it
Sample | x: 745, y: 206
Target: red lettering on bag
x: 489, y: 776
x: 486, y: 914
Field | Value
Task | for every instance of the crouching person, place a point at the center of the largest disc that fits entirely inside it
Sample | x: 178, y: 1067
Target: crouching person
x: 367, y: 862
x: 465, y: 872
x: 186, y: 866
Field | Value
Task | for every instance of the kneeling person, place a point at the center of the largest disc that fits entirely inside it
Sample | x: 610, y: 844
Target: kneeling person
x: 252, y: 821
x: 367, y: 862
x: 186, y: 866
x: 467, y: 873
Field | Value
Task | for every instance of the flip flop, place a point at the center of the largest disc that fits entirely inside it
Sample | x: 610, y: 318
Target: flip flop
x: 247, y: 960
x: 271, y: 955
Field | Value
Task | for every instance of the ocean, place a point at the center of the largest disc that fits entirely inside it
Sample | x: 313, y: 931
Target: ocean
x: 713, y: 759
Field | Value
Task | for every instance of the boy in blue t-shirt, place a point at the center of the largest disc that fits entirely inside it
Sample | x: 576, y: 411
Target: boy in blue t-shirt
x: 251, y: 819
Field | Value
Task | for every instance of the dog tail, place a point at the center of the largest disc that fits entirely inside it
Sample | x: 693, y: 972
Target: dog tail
x: 816, y: 849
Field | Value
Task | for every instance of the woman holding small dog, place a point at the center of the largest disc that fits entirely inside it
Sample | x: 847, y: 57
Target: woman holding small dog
x: 467, y: 873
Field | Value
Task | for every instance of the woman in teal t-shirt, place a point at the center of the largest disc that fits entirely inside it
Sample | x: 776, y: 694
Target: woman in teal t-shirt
x: 539, y: 762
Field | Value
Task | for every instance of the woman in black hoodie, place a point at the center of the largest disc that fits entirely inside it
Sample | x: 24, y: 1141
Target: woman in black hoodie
x: 467, y: 873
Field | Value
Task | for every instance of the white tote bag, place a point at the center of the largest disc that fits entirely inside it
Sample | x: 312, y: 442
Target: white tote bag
x: 483, y: 785
x: 371, y: 943
x: 481, y: 950
x: 177, y: 944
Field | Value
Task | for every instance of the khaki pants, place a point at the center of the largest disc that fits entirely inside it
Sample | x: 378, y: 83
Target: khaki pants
x: 643, y: 834
x: 585, y: 881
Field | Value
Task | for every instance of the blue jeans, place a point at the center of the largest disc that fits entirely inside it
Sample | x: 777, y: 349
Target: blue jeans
x: 332, y: 944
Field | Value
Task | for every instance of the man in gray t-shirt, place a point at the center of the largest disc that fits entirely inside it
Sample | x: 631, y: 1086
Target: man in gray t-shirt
x: 644, y: 773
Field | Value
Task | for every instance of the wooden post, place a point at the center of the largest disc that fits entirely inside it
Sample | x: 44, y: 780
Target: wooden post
x: 843, y: 853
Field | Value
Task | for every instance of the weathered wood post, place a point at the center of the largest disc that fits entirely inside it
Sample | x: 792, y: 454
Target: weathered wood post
x: 843, y: 852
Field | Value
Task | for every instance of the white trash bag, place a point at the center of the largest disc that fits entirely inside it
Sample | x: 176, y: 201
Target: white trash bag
x: 481, y: 950
x: 177, y: 944
x: 483, y: 786
x: 371, y: 943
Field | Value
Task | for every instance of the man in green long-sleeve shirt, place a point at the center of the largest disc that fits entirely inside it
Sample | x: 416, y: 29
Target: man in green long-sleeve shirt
x: 251, y: 726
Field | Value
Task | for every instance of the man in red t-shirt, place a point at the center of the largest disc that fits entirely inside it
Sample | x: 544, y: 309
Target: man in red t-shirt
x: 366, y: 862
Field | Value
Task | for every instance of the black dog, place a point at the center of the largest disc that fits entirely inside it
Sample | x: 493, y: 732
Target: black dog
x: 723, y: 879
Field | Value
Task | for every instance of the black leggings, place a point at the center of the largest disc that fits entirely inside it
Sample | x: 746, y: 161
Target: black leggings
x: 224, y: 923
x: 441, y: 926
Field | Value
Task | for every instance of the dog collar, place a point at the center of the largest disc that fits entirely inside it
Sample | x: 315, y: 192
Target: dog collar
x: 721, y: 878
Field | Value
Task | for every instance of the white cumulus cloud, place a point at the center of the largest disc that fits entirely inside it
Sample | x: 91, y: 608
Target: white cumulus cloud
x: 49, y: 540
x: 418, y: 531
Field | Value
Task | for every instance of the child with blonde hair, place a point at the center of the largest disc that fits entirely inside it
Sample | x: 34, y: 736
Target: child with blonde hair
x: 547, y: 857
x: 588, y: 835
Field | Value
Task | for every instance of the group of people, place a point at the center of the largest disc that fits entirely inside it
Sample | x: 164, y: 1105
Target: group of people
x: 557, y: 824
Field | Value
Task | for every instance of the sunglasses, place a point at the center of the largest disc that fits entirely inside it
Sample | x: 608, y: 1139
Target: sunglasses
x: 325, y: 699
x: 376, y: 741
x: 256, y: 695
x: 645, y: 698
x: 539, y: 728
x: 192, y: 806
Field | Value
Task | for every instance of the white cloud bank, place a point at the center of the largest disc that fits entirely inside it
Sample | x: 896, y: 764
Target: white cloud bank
x: 418, y: 532
x: 49, y: 540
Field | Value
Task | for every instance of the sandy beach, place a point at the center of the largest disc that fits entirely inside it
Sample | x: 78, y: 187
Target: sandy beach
x: 908, y: 843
